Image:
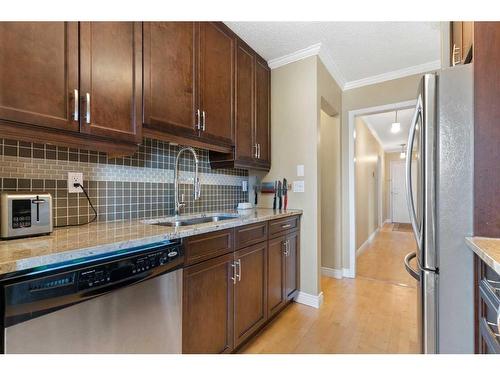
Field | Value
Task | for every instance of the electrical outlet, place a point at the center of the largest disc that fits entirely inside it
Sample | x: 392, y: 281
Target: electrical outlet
x: 75, y: 178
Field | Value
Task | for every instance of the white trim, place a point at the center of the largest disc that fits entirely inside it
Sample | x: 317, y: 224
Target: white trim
x: 333, y: 69
x: 349, y: 273
x: 295, y: 56
x: 367, y: 242
x: 388, y: 221
x: 350, y: 231
x: 333, y: 273
x: 310, y: 299
x: 411, y: 70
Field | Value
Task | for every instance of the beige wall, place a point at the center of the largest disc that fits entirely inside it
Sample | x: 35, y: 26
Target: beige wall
x: 367, y: 153
x: 389, y: 156
x: 330, y: 191
x: 394, y: 91
x: 298, y: 92
x: 294, y: 137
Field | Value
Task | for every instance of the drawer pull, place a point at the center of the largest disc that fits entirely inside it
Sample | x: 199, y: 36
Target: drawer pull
x: 286, y: 226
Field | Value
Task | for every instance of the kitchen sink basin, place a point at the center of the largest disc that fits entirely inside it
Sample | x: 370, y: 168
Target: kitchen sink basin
x: 196, y: 220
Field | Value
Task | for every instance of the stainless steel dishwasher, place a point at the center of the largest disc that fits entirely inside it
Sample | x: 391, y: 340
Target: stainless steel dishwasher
x: 127, y: 302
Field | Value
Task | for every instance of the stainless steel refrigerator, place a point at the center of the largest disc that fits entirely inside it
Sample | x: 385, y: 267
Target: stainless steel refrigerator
x: 440, y: 205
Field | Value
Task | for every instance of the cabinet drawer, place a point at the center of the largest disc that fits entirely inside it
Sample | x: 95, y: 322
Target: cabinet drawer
x: 207, y: 246
x: 250, y: 235
x: 282, y: 225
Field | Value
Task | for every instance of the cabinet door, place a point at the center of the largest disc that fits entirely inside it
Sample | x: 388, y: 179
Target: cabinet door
x: 111, y: 79
x: 292, y: 265
x: 207, y: 312
x: 250, y: 292
x: 276, y: 297
x: 217, y: 81
x: 245, y: 104
x: 169, y: 77
x: 263, y: 111
x: 39, y: 73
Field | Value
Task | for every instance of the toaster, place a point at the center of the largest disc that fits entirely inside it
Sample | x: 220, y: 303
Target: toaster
x: 24, y: 214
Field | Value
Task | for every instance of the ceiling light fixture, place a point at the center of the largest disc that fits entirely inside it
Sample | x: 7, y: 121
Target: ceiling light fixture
x: 396, y: 126
x: 402, y: 155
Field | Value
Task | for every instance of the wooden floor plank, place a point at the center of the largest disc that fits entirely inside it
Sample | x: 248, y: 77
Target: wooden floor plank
x: 374, y: 313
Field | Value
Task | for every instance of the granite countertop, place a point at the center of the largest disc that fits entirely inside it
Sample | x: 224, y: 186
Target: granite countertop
x: 71, y: 243
x: 488, y: 249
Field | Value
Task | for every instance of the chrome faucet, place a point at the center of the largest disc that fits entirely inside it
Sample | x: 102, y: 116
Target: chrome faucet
x: 196, y: 181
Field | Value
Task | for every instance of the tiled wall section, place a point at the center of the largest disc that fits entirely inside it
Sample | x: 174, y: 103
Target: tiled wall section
x: 139, y: 186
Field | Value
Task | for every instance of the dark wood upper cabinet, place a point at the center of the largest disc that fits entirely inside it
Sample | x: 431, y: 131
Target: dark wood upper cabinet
x: 207, y: 317
x: 111, y: 79
x: 250, y: 291
x: 245, y: 143
x: 39, y: 73
x: 263, y: 111
x: 252, y: 114
x: 217, y: 46
x: 170, y: 82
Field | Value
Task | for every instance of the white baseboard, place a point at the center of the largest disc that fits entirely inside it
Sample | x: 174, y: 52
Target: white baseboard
x: 310, y: 299
x: 348, y: 272
x: 334, y: 273
x: 388, y: 221
x: 367, y: 242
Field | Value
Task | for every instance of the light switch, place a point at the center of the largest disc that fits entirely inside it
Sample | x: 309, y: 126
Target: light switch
x: 300, y: 170
x: 298, y: 186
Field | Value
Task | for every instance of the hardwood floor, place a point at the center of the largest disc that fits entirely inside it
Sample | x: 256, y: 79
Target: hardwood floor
x: 374, y: 313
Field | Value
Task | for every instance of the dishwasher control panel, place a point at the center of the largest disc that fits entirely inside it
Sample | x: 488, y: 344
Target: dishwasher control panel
x: 108, y: 273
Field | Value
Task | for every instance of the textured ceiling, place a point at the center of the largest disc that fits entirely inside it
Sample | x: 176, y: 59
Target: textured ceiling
x: 380, y: 125
x: 358, y: 49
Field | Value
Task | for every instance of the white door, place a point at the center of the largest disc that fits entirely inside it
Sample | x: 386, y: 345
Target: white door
x: 399, y: 207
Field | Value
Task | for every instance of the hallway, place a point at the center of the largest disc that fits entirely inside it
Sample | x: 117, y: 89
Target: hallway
x: 374, y: 313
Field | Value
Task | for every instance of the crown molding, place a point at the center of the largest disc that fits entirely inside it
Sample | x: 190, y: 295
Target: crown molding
x: 322, y: 53
x: 416, y: 69
x: 295, y: 56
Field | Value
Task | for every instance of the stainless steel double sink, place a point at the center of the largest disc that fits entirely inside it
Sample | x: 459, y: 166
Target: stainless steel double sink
x: 182, y: 222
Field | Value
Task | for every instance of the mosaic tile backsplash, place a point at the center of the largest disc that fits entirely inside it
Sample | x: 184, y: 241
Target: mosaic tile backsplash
x: 135, y: 187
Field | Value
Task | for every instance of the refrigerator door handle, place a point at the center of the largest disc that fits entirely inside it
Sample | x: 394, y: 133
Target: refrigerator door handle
x: 410, y: 270
x: 409, y: 188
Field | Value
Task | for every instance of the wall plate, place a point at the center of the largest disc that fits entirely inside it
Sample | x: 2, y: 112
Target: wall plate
x: 73, y: 178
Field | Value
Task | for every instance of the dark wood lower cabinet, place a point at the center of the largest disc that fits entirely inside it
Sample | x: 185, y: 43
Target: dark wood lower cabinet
x: 207, y: 316
x: 291, y: 265
x: 230, y: 297
x: 276, y: 297
x: 487, y: 308
x: 250, y: 291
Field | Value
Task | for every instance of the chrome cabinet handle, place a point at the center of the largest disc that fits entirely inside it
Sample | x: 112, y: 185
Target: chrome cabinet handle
x: 75, y: 111
x: 233, y: 266
x: 203, y: 117
x: 255, y: 155
x: 286, y: 226
x: 87, y: 115
x: 410, y: 270
x: 409, y: 188
x: 238, y: 275
x: 258, y: 148
x: 285, y: 249
x: 197, y: 126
